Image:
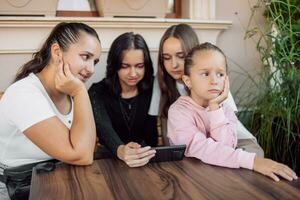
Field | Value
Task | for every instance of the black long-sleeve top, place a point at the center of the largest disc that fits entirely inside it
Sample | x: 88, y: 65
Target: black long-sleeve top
x: 111, y: 126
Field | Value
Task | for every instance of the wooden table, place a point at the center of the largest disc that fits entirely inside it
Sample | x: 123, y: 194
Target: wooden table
x: 186, y: 179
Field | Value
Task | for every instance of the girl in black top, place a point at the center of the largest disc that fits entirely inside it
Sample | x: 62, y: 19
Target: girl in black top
x: 121, y: 101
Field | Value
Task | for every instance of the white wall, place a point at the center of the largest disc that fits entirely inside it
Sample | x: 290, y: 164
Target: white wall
x: 241, y: 53
x: 20, y: 37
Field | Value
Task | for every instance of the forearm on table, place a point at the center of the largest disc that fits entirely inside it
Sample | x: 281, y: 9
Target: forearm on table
x: 83, y: 131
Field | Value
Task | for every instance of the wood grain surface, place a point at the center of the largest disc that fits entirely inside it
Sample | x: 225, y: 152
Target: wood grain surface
x: 186, y: 179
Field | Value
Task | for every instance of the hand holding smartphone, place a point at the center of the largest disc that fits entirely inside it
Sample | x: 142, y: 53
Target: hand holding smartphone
x: 168, y: 153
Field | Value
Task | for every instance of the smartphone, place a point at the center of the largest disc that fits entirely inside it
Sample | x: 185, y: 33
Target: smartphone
x: 168, y: 153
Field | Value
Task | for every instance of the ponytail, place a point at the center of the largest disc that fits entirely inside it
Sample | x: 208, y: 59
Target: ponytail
x: 64, y: 34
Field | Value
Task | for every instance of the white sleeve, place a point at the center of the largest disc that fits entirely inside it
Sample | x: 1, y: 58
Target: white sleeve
x: 26, y: 107
x: 155, y: 99
x: 230, y: 101
x: 242, y: 132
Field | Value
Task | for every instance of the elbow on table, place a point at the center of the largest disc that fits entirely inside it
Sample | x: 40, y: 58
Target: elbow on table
x: 85, y: 161
x: 81, y: 159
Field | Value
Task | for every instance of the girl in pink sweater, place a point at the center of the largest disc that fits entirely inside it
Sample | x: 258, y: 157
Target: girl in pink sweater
x: 205, y: 124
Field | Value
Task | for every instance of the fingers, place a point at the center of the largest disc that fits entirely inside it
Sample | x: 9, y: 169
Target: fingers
x: 135, y: 151
x: 222, y: 96
x: 225, y: 91
x: 133, y: 145
x: 64, y: 69
x: 289, y: 172
x: 226, y: 85
x: 140, y: 155
x: 67, y: 71
x: 59, y: 74
x: 66, y: 82
x: 135, y: 155
x: 273, y: 170
x: 273, y: 176
x: 285, y: 172
x: 140, y: 162
x: 293, y: 174
x: 60, y: 68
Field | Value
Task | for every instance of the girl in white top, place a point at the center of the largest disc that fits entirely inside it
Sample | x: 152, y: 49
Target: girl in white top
x: 46, y: 112
x: 168, y: 86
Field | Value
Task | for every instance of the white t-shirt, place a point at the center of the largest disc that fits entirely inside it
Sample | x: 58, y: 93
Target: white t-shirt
x: 24, y: 104
x: 242, y: 132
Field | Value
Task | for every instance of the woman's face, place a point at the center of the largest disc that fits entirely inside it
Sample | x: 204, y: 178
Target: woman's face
x: 173, y: 57
x: 83, y: 56
x: 132, y: 69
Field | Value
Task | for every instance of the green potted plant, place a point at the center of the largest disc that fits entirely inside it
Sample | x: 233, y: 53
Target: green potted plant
x: 275, y: 111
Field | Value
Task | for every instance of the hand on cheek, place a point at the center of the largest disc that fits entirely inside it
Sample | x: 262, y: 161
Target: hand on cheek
x: 214, y: 104
x: 65, y: 81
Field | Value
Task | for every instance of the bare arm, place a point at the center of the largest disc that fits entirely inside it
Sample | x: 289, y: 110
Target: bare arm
x: 74, y: 146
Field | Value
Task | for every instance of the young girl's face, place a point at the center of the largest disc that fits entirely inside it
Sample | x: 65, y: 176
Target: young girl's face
x: 132, y: 69
x: 173, y: 57
x: 82, y: 56
x: 207, y: 76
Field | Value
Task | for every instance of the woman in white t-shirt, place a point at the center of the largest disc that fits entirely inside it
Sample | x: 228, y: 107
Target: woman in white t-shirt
x: 176, y: 42
x: 46, y: 113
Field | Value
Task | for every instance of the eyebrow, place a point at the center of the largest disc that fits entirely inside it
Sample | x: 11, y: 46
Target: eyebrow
x: 220, y: 69
x: 142, y: 63
x: 91, y: 54
x: 180, y: 52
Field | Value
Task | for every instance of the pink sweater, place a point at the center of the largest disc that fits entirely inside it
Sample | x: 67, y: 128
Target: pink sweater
x: 209, y: 135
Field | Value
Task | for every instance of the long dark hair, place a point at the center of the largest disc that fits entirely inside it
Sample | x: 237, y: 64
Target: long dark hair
x: 64, y: 34
x: 188, y: 38
x: 124, y: 42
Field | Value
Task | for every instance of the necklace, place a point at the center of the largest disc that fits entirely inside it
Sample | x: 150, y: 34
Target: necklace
x: 128, y: 109
x: 128, y: 102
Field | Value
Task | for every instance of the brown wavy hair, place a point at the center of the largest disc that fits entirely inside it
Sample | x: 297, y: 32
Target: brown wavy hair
x: 188, y: 39
x: 64, y: 34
